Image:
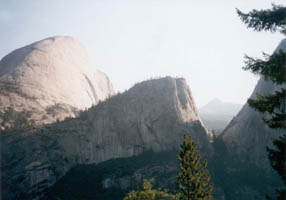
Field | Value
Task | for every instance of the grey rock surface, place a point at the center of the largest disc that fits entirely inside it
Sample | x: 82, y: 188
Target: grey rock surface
x: 53, y: 78
x: 152, y: 115
x: 247, y: 134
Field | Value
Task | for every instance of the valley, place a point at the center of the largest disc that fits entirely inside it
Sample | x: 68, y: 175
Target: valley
x: 65, y: 133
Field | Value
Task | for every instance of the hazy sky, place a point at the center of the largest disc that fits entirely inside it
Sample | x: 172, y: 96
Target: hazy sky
x: 133, y: 40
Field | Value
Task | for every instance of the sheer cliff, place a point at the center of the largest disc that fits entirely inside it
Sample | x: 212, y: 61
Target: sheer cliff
x: 247, y: 134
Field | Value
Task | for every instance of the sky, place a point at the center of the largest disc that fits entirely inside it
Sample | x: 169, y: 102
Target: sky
x: 203, y: 41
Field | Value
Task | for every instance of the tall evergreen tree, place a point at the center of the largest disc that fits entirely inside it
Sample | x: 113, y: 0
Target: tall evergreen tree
x: 273, y: 68
x: 193, y: 178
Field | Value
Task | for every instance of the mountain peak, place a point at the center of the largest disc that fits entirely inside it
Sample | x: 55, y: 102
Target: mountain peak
x: 216, y: 106
x: 172, y: 91
x: 215, y: 101
x: 51, y: 72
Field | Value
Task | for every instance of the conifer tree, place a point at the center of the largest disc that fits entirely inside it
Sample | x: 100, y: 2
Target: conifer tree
x: 193, y: 178
x: 273, y: 68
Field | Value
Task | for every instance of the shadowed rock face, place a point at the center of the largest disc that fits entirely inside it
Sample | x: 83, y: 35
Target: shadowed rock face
x: 51, y: 75
x: 152, y: 115
x: 247, y: 134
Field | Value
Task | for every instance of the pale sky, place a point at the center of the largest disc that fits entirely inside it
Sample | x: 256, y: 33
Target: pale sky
x: 133, y: 40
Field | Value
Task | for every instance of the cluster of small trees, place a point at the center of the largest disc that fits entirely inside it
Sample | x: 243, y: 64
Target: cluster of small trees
x: 192, y: 180
x: 11, y: 119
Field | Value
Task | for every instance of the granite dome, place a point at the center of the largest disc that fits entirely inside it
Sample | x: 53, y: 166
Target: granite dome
x: 54, y: 73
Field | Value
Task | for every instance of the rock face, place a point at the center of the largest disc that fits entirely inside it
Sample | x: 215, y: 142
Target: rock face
x: 53, y: 78
x: 153, y: 115
x: 247, y: 134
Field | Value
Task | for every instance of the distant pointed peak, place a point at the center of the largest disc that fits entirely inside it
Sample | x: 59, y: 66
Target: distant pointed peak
x: 216, y: 100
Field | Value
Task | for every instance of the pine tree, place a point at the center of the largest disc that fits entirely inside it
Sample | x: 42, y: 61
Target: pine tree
x: 273, y: 68
x: 193, y: 178
x: 273, y: 19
